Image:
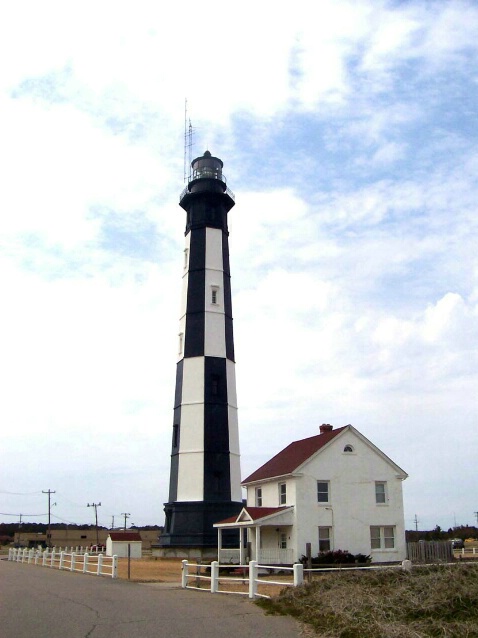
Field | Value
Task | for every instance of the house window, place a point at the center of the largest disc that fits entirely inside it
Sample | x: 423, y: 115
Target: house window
x: 214, y: 295
x: 380, y: 492
x: 382, y: 537
x: 258, y: 496
x: 348, y: 448
x: 323, y: 490
x: 282, y: 493
x: 324, y: 539
x: 283, y: 540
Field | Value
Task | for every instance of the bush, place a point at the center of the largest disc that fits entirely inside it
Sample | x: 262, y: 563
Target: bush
x: 337, y: 557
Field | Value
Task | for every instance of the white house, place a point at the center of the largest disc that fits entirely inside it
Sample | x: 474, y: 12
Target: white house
x: 117, y: 544
x: 335, y: 490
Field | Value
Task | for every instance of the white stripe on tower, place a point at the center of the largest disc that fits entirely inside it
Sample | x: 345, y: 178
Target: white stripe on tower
x: 214, y: 332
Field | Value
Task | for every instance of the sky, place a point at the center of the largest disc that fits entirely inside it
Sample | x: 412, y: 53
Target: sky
x: 348, y: 134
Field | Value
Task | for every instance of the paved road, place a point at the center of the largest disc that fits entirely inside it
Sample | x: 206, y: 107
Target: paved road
x: 39, y: 602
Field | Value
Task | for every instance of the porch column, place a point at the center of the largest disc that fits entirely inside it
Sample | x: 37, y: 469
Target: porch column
x: 219, y: 543
x: 258, y: 543
x: 241, y: 545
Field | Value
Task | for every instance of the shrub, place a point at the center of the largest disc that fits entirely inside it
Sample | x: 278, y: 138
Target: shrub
x: 337, y: 557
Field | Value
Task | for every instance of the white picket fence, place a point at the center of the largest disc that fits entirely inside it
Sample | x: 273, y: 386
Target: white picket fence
x: 97, y: 564
x: 251, y: 575
x: 466, y: 551
x: 252, y: 571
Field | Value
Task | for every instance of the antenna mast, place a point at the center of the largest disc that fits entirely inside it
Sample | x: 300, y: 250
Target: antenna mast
x: 188, y: 143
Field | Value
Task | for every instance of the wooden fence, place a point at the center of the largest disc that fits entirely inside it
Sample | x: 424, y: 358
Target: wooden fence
x: 430, y: 552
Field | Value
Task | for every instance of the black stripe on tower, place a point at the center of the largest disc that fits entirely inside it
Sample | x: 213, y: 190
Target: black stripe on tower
x: 217, y: 476
x: 206, y: 209
x: 195, y: 309
x: 173, y: 479
x: 229, y: 337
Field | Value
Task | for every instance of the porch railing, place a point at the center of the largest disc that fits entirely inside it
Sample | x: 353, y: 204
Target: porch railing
x: 269, y: 556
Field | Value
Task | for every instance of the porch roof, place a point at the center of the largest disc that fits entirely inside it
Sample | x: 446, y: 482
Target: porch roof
x: 258, y: 516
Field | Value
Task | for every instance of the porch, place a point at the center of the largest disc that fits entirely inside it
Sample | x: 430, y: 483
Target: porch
x: 267, y: 556
x: 265, y: 535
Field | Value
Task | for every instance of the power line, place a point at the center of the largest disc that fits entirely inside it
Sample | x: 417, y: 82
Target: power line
x: 17, y: 515
x: 19, y: 493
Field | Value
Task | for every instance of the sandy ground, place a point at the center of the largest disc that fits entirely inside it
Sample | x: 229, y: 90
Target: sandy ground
x: 168, y: 570
x: 155, y: 570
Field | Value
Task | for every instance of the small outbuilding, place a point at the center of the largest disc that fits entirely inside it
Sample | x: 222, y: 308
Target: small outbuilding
x: 117, y: 544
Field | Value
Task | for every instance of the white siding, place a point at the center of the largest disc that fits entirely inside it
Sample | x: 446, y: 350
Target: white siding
x: 191, y: 477
x: 214, y: 335
x: 351, y: 509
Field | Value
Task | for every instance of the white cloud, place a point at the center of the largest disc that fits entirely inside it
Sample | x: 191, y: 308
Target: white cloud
x: 348, y: 135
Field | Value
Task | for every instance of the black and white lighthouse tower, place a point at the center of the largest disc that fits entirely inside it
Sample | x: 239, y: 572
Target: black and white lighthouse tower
x: 205, y: 481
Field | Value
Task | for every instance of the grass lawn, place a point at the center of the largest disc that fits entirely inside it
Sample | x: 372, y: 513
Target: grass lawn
x: 439, y: 601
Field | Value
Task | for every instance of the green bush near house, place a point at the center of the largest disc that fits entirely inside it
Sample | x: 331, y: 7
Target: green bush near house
x: 337, y: 557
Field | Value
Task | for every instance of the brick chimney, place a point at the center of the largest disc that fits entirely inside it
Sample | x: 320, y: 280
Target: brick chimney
x: 326, y: 427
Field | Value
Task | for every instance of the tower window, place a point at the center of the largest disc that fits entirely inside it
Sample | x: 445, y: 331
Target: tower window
x: 214, y: 295
x: 217, y: 482
x: 175, y: 435
x: 186, y: 258
x: 181, y: 343
x: 215, y: 385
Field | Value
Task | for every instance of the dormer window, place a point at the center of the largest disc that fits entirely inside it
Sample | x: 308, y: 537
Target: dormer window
x: 348, y: 448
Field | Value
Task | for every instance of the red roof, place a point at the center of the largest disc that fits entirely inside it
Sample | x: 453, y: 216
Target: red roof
x: 125, y: 536
x: 255, y: 513
x: 291, y: 457
x: 261, y: 512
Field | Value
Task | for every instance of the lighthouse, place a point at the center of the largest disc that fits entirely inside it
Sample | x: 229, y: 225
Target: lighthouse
x: 205, y: 480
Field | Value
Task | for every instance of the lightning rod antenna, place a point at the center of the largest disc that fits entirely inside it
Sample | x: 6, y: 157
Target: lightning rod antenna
x: 188, y: 143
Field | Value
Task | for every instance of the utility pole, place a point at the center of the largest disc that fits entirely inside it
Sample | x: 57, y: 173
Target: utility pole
x: 416, y: 523
x: 113, y: 521
x: 126, y: 515
x: 19, y: 530
x: 96, y: 505
x: 476, y: 514
x: 49, y: 492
